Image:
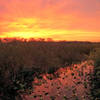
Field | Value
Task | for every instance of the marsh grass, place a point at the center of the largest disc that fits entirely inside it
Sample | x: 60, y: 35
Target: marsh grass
x: 95, y: 55
x: 21, y: 61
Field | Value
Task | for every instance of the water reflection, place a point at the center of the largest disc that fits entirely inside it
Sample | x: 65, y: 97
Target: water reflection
x: 72, y: 84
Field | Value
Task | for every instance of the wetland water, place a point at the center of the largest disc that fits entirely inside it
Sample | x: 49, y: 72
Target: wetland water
x: 70, y: 83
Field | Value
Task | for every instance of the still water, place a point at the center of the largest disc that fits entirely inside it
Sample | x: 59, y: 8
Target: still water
x: 70, y: 83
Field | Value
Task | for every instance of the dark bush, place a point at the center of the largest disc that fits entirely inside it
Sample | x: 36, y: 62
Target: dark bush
x: 95, y: 55
x: 21, y: 61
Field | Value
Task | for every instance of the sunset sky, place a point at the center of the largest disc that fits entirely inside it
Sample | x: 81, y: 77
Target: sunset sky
x: 71, y: 20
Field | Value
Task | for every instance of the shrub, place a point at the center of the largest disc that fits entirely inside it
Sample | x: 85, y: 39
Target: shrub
x: 21, y: 61
x: 95, y: 55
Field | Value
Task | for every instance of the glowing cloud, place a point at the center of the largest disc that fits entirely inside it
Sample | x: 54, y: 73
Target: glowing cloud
x: 58, y: 19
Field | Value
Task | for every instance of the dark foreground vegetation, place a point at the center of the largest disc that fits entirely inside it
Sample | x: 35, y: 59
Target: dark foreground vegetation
x: 21, y: 61
x: 95, y: 55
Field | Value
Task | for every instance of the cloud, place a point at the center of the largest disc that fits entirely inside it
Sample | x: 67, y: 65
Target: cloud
x: 41, y: 17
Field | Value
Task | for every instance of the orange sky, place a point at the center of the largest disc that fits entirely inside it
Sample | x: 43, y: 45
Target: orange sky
x: 72, y: 20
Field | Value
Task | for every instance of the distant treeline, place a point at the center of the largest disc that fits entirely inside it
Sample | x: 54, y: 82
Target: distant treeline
x: 20, y: 61
x: 43, y: 54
